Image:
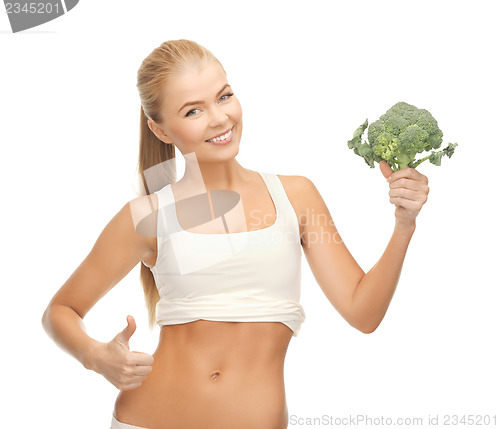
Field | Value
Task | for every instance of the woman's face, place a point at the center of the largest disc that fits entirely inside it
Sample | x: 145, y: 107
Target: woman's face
x: 199, y: 104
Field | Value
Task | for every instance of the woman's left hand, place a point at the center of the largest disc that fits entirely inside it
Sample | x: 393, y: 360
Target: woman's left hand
x: 408, y: 190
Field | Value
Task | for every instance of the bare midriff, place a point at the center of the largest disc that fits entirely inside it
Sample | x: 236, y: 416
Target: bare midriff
x: 213, y: 375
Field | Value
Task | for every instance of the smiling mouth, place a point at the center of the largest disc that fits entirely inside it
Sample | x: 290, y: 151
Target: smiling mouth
x: 221, y: 137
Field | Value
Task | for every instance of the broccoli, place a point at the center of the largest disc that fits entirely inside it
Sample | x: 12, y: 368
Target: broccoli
x: 398, y: 136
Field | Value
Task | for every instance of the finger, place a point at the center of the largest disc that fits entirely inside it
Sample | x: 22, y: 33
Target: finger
x: 128, y: 330
x: 411, y: 206
x: 130, y: 386
x: 407, y: 194
x: 136, y: 378
x: 142, y: 370
x: 385, y: 168
x: 409, y: 184
x: 410, y: 173
x: 139, y: 358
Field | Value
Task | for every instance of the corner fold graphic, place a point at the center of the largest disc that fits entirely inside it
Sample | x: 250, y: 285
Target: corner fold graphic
x: 28, y: 14
x: 70, y: 4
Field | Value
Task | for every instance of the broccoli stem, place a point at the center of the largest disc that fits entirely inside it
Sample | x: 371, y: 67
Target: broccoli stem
x: 420, y: 161
x: 393, y: 165
x: 403, y: 161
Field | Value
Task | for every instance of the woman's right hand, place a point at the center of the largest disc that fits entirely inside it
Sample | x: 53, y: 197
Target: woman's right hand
x: 124, y: 369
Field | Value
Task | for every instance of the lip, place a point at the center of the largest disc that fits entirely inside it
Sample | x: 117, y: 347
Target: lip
x: 223, y: 142
x: 221, y: 134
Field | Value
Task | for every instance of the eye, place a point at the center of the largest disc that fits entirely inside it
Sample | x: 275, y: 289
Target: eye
x: 192, y: 110
x: 229, y: 94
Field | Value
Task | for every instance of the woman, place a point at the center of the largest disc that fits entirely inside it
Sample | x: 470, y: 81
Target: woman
x: 225, y: 290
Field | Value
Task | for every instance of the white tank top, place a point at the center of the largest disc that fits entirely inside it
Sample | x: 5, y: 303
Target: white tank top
x: 251, y: 276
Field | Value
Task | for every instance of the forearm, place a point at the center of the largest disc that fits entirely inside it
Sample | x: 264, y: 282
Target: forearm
x: 66, y: 328
x: 372, y: 296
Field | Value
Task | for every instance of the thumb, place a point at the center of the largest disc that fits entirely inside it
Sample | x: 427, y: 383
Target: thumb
x: 125, y: 335
x: 385, y: 169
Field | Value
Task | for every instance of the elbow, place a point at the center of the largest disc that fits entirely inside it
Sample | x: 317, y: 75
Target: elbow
x: 363, y: 321
x: 45, y: 318
x: 364, y: 327
x: 368, y: 328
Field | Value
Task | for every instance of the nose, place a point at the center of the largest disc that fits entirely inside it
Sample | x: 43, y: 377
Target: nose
x: 218, y: 116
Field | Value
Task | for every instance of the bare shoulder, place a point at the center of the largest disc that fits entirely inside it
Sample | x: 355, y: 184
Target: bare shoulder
x: 303, y: 194
x: 295, y: 181
x: 136, y: 222
x: 299, y: 190
x: 144, y: 210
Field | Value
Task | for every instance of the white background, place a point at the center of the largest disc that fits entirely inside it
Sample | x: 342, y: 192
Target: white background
x: 307, y: 75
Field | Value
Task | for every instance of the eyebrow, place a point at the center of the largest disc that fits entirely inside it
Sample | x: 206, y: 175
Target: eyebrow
x: 189, y: 103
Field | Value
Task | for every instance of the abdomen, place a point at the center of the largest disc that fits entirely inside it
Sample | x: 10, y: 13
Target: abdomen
x: 213, y: 375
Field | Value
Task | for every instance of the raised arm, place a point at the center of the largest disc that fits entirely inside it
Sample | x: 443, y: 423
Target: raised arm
x: 118, y: 249
x: 361, y: 298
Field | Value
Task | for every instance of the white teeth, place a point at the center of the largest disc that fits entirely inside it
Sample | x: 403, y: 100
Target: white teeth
x: 224, y: 137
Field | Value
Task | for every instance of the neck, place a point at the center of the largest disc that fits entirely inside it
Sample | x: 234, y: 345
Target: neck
x: 215, y: 175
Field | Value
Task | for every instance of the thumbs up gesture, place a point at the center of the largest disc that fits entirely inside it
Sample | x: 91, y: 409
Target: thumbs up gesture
x: 408, y: 190
x: 124, y: 369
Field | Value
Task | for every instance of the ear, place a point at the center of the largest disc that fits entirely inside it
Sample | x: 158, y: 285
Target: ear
x: 158, y: 132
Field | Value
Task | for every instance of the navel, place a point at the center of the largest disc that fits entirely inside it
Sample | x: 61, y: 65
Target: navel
x: 215, y: 375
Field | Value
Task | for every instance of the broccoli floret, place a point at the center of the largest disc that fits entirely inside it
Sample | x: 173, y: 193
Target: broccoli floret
x: 398, y: 136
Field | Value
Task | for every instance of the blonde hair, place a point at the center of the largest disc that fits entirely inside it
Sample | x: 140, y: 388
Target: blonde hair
x: 162, y: 64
